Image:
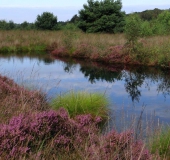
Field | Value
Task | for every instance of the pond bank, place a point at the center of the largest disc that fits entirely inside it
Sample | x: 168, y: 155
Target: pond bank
x: 41, y: 132
x: 106, y: 48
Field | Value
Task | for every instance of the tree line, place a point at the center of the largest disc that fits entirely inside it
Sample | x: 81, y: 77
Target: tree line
x: 100, y: 16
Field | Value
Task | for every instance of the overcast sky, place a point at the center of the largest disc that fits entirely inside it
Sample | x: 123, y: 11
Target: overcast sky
x: 27, y: 10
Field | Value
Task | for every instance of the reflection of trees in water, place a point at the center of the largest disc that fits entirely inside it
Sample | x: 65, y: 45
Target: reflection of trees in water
x: 69, y: 67
x: 164, y: 84
x: 132, y: 84
x: 94, y: 74
x: 41, y: 57
x: 48, y: 60
x: 135, y: 78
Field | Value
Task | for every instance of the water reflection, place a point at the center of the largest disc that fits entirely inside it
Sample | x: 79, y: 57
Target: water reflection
x: 134, y: 77
x: 125, y: 86
x: 41, y: 57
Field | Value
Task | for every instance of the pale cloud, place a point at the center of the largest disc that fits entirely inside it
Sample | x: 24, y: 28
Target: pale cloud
x: 13, y: 9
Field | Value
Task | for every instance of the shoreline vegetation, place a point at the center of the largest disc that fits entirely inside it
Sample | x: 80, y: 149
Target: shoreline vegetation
x: 105, y: 48
x: 31, y: 129
x: 70, y: 126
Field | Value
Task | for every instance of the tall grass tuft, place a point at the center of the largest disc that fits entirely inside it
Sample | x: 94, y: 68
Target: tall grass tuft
x: 82, y: 103
x: 160, y: 143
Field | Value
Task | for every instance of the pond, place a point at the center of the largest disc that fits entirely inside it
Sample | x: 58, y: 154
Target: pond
x: 144, y: 92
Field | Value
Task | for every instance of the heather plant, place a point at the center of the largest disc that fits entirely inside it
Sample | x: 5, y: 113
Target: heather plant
x: 22, y: 135
x: 116, y: 145
x: 53, y: 134
x: 83, y: 50
x: 82, y: 103
x: 15, y: 99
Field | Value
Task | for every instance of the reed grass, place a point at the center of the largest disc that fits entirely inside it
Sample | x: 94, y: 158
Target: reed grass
x: 77, y: 103
x: 160, y: 143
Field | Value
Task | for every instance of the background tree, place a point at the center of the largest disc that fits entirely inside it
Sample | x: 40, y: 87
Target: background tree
x: 150, y: 14
x: 164, y: 19
x: 4, y: 25
x: 46, y: 21
x: 102, y: 16
x: 11, y: 25
x: 74, y: 19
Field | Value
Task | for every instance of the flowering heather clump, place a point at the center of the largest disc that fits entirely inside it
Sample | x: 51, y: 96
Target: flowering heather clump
x: 37, y: 135
x: 83, y: 51
x: 115, y: 55
x: 15, y: 99
x: 60, y: 52
x: 118, y: 146
x: 22, y: 135
x: 124, y: 146
x: 54, y: 133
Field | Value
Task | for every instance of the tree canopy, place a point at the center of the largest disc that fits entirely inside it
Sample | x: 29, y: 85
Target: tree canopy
x: 46, y: 21
x: 102, y: 16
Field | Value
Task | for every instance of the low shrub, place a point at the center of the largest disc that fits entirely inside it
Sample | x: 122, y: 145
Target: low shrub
x: 53, y: 133
x: 31, y: 133
x: 121, y: 146
x: 82, y: 103
x: 15, y: 99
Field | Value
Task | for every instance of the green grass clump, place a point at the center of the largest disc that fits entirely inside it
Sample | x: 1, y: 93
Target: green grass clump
x: 161, y: 143
x: 81, y: 102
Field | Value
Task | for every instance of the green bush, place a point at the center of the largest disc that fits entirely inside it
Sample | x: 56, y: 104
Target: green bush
x: 82, y: 103
x: 146, y: 29
x: 133, y: 28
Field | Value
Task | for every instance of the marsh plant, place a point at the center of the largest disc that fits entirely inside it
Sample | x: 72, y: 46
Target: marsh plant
x: 70, y: 34
x: 82, y: 103
x: 29, y: 129
x: 52, y: 134
x: 160, y: 143
x: 132, y: 33
x: 15, y: 99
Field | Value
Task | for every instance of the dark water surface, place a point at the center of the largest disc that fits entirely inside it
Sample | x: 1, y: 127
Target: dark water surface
x: 130, y: 90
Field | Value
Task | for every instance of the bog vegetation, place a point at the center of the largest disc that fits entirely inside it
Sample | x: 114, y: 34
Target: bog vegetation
x: 137, y: 38
x: 31, y: 129
x: 82, y: 103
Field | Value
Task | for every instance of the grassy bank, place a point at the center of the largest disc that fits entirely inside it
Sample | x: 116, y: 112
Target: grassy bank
x: 107, y: 48
x: 30, y: 129
x: 17, y: 41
